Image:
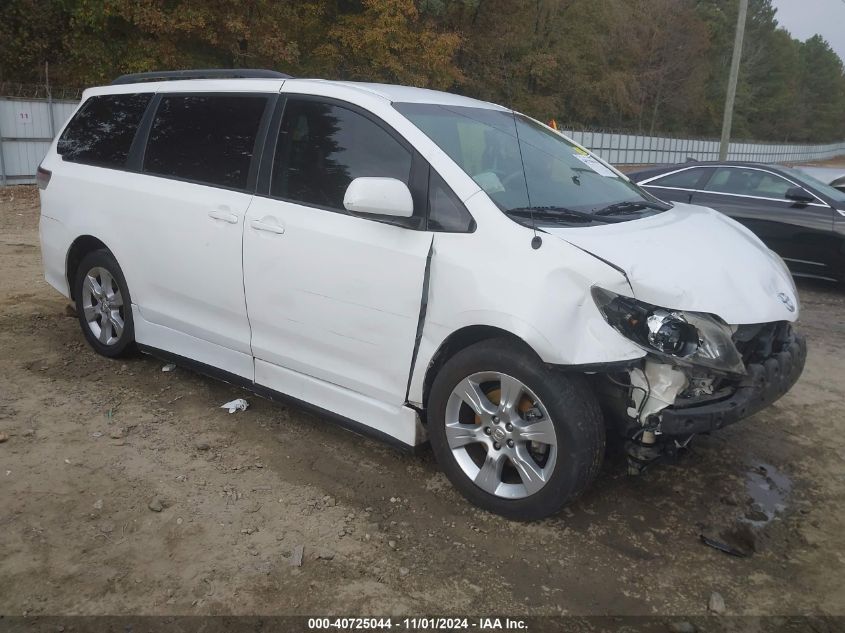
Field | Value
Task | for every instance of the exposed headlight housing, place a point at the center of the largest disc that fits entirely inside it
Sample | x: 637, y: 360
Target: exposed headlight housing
x: 682, y: 338
x: 670, y: 333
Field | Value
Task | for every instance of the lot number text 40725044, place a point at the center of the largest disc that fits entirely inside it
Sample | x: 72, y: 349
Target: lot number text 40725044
x: 418, y: 624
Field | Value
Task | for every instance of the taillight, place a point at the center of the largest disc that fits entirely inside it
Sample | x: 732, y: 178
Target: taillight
x: 42, y: 177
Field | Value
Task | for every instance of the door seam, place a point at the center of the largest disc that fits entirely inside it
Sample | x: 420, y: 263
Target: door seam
x: 243, y: 282
x: 421, y: 318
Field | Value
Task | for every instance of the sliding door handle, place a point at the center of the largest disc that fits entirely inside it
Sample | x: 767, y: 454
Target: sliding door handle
x: 225, y: 216
x: 268, y: 224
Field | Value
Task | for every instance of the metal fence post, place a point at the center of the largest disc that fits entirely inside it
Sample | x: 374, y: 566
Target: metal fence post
x: 49, y: 99
x: 52, y: 117
x: 2, y: 161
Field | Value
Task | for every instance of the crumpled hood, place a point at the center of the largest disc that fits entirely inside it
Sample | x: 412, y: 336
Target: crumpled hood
x: 694, y: 258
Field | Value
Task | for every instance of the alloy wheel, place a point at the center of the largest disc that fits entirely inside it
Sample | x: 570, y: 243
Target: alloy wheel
x: 501, y: 435
x: 102, y: 306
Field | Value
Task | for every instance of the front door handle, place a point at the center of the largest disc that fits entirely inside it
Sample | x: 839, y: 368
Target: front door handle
x: 268, y: 224
x: 226, y: 216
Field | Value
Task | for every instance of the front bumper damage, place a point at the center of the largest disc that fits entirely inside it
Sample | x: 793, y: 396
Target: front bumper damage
x: 764, y: 383
x: 662, y: 406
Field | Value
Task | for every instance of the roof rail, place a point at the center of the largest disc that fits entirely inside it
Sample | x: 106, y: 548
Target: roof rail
x: 207, y: 73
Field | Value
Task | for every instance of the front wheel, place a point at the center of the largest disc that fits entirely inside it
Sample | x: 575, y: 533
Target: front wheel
x: 103, y: 304
x: 515, y: 437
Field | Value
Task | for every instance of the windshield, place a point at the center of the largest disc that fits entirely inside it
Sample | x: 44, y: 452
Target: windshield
x: 823, y: 188
x: 524, y: 166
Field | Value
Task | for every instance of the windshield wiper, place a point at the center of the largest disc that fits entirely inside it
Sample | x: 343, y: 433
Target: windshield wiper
x: 558, y: 214
x: 630, y: 206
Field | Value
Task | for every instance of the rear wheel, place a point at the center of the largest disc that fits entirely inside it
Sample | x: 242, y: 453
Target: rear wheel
x: 513, y: 436
x: 103, y: 304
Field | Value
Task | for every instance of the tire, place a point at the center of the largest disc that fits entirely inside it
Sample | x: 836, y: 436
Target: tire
x: 561, y: 408
x: 112, y: 339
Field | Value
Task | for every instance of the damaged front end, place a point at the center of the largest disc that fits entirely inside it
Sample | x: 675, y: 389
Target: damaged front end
x: 699, y: 375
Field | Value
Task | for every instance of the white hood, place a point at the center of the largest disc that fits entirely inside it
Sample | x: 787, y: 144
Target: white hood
x: 693, y: 258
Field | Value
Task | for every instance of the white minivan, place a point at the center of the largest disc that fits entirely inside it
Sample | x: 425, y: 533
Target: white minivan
x: 415, y: 264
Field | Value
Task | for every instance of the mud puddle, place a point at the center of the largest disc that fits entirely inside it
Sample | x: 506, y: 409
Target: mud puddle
x: 769, y: 490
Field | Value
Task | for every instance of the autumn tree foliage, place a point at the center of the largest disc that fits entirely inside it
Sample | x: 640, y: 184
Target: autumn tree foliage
x: 389, y: 41
x: 653, y: 66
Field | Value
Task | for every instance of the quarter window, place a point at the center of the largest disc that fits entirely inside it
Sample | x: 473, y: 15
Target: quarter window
x: 748, y: 182
x: 205, y: 138
x: 101, y: 132
x: 445, y: 211
x: 686, y: 179
x: 322, y: 147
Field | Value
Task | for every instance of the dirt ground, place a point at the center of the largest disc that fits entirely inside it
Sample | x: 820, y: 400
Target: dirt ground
x: 127, y: 490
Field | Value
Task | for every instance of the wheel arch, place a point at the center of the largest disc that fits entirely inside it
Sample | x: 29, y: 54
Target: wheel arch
x: 461, y: 339
x: 80, y: 247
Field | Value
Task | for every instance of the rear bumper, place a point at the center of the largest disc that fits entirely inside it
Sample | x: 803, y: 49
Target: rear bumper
x: 764, y: 383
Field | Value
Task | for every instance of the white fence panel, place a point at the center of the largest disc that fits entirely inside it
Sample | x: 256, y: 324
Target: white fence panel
x: 631, y: 149
x: 27, y: 127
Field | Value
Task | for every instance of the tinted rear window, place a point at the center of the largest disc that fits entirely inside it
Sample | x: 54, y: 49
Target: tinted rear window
x: 101, y: 132
x: 205, y: 138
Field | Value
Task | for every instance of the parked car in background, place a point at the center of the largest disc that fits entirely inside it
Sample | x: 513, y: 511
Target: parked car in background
x: 833, y: 176
x: 798, y: 216
x: 415, y: 264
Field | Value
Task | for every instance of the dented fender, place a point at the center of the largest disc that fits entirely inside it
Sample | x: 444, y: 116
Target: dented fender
x: 542, y: 296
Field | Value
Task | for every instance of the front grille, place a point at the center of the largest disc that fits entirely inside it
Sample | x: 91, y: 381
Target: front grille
x: 756, y: 344
x: 760, y: 341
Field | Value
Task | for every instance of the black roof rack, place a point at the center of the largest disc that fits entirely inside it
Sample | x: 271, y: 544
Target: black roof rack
x: 207, y: 73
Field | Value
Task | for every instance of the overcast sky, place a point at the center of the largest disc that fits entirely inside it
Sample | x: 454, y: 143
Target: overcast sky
x: 805, y: 18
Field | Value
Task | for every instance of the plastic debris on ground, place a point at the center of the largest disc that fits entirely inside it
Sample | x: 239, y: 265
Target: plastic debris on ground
x: 722, y: 547
x: 169, y: 367
x: 235, y: 405
x: 296, y: 556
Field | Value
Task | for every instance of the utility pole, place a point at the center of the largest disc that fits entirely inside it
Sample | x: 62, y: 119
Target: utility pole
x: 727, y: 119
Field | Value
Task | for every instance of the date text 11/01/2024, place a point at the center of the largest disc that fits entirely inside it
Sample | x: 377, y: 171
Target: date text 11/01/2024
x: 432, y: 624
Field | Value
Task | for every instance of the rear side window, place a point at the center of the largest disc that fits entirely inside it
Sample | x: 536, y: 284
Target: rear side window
x: 445, y: 211
x: 208, y: 139
x: 101, y: 132
x: 686, y: 179
x: 323, y: 147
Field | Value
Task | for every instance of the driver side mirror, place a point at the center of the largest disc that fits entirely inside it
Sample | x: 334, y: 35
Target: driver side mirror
x: 799, y: 194
x: 379, y: 196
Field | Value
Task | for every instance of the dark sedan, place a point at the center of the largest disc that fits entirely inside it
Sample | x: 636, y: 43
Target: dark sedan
x: 800, y: 218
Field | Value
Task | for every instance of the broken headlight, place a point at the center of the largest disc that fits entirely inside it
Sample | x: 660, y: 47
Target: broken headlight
x: 683, y: 338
